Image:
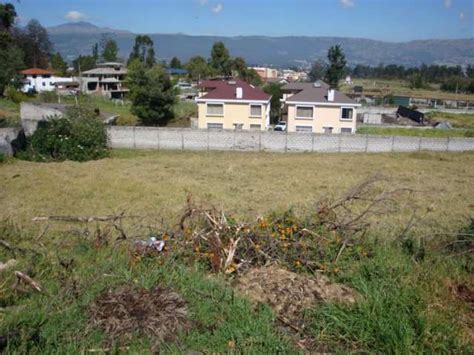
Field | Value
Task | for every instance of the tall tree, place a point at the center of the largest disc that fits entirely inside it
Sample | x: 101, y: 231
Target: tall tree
x: 95, y: 51
x: 175, y: 63
x: 337, y: 66
x: 240, y: 69
x: 83, y: 63
x: 109, y: 49
x: 143, y: 50
x: 198, y: 68
x: 151, y: 92
x: 220, y: 59
x: 35, y: 43
x: 7, y: 16
x: 275, y: 90
x: 318, y: 71
x: 58, y: 64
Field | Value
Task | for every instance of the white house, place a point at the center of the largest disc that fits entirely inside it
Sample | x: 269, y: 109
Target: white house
x: 40, y: 80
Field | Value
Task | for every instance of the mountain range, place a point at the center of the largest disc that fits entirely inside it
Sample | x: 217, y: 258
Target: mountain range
x: 73, y: 39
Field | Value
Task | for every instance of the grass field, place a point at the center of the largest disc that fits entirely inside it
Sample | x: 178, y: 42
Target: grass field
x: 411, y: 286
x: 249, y: 184
x: 402, y: 88
x: 461, y: 120
x: 436, y: 133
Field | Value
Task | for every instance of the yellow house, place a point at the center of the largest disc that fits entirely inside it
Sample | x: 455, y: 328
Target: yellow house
x: 232, y: 104
x: 315, y: 107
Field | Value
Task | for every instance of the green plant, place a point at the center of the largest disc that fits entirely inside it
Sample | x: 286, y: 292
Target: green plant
x: 80, y: 136
x: 48, y: 97
x: 15, y: 96
x: 3, y: 158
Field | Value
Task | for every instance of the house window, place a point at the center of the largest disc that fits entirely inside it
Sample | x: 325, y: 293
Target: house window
x: 215, y: 109
x: 346, y: 130
x: 346, y: 113
x: 327, y: 130
x: 255, y: 127
x: 215, y: 126
x: 304, y: 112
x: 304, y: 129
x: 255, y: 110
x: 238, y: 126
x: 44, y: 84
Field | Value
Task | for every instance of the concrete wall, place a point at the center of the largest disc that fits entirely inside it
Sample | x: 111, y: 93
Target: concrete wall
x: 392, y: 110
x: 7, y: 135
x: 191, y: 139
x: 32, y: 113
x: 234, y: 113
x: 323, y: 116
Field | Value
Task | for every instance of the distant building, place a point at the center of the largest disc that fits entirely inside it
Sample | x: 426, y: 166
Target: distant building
x: 107, y: 79
x: 292, y: 75
x: 40, y: 80
x: 266, y: 73
x: 315, y: 107
x: 232, y: 104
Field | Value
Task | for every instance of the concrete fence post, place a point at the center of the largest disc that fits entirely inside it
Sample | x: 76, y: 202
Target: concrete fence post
x: 260, y: 141
x: 419, y: 143
x: 366, y: 142
x: 134, y: 138
x: 339, y: 143
x: 447, y: 144
x: 286, y: 140
x: 208, y: 139
x: 312, y: 142
x: 393, y: 143
x: 182, y: 139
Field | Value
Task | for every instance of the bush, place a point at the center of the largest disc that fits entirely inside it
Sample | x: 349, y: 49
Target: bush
x: 3, y: 158
x: 15, y: 96
x: 127, y: 120
x: 79, y: 136
x: 48, y: 97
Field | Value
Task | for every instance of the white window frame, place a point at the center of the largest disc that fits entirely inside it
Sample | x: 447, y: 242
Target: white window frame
x: 347, y: 119
x: 255, y: 127
x: 300, y: 126
x: 215, y: 123
x: 235, y: 124
x: 303, y: 118
x: 346, y: 132
x: 250, y: 111
x: 215, y: 103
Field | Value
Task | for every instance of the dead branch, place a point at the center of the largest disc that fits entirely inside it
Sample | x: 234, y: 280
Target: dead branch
x: 28, y: 280
x: 81, y: 219
x: 9, y: 264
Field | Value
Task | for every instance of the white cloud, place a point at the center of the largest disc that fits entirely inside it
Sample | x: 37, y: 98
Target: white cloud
x: 462, y: 16
x: 448, y: 3
x: 347, y: 3
x: 218, y: 8
x: 75, y: 16
x: 203, y: 2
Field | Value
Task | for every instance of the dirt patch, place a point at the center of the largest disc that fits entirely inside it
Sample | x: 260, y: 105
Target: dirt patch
x: 122, y: 313
x: 288, y: 293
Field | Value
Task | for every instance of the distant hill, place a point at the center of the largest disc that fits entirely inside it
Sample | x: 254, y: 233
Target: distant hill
x: 72, y: 39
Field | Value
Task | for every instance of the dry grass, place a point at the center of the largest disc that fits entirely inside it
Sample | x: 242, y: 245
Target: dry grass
x: 247, y: 184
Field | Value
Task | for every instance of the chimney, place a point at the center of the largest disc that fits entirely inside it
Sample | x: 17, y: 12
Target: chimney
x: 331, y: 94
x: 238, y: 93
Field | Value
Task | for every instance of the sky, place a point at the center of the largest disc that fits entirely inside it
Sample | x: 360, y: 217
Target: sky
x: 388, y: 20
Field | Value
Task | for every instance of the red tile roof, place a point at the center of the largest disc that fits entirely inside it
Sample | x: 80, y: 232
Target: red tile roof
x: 36, y: 71
x: 226, y: 90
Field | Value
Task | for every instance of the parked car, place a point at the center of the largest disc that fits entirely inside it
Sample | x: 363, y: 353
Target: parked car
x: 280, y: 126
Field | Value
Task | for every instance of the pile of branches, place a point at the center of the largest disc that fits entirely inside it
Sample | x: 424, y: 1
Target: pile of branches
x: 310, y: 243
